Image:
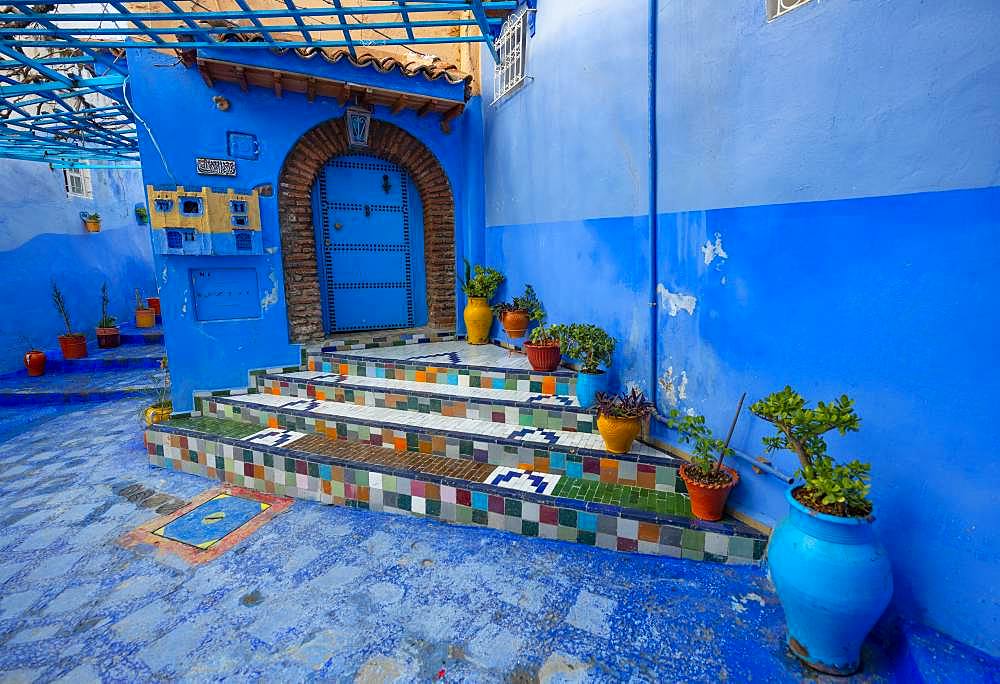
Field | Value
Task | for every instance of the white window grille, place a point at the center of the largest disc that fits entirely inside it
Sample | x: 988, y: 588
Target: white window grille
x: 78, y: 183
x: 508, y: 73
x: 775, y: 8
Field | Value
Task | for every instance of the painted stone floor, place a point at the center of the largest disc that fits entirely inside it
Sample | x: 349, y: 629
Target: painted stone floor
x: 106, y: 380
x: 324, y: 593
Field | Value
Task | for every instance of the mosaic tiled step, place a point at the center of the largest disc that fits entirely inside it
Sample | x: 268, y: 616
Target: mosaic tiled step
x: 532, y: 409
x: 576, y: 454
x: 447, y: 363
x: 387, y: 338
x: 18, y: 389
x: 314, y: 467
x: 97, y: 359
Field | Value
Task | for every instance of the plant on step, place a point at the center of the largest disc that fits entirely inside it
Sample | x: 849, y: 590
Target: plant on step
x: 516, y: 315
x: 620, y: 417
x: 108, y: 335
x: 481, y: 281
x: 824, y: 565
x: 479, y: 288
x: 92, y: 217
x: 830, y: 487
x: 161, y: 410
x: 141, y: 215
x: 72, y: 344
x: 590, y: 344
x: 708, y: 481
x: 144, y: 316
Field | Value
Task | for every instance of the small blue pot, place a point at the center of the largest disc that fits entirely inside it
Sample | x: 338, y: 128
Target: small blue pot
x: 588, y: 385
x: 834, y: 580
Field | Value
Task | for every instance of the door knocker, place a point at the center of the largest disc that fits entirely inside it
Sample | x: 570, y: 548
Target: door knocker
x: 386, y: 185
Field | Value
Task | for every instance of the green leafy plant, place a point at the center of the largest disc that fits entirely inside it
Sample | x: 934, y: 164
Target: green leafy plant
x: 590, y: 344
x: 527, y: 302
x: 484, y: 283
x: 629, y: 404
x: 707, y: 451
x: 93, y: 217
x: 106, y: 320
x: 830, y: 487
x: 141, y: 215
x: 60, y: 303
x: 546, y: 335
x: 140, y: 304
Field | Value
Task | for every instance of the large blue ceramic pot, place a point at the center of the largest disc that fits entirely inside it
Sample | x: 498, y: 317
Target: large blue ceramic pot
x: 588, y: 385
x: 834, y: 580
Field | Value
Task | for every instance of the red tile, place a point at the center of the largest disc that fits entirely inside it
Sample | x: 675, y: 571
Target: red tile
x: 627, y: 544
x: 463, y: 497
x: 549, y: 515
x: 496, y: 504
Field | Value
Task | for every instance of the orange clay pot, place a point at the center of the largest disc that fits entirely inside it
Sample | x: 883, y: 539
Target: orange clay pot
x: 145, y: 318
x: 515, y: 323
x: 34, y: 361
x: 543, y: 357
x: 618, y: 433
x: 73, y: 346
x: 708, y: 502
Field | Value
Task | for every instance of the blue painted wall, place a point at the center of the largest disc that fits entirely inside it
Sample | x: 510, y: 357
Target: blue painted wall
x: 216, y: 354
x: 828, y: 189
x: 42, y: 238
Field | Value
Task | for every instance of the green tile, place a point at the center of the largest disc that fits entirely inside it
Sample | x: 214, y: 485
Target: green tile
x: 512, y: 507
x: 693, y: 540
x: 567, y: 516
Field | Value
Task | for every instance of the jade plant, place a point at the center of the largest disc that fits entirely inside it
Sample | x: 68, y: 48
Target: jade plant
x: 481, y: 281
x: 708, y: 451
x: 527, y: 302
x: 107, y: 321
x: 629, y: 404
x: 590, y: 344
x: 830, y: 487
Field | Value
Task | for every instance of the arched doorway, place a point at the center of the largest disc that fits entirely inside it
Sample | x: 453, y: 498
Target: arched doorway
x: 314, y: 151
x: 369, y: 245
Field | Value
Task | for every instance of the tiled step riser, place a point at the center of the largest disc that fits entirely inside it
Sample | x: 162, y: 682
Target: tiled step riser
x: 588, y: 467
x: 510, y: 379
x: 368, y: 489
x: 476, y: 409
x: 362, y: 342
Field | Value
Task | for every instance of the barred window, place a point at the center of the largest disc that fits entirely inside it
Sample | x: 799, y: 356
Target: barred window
x: 508, y: 73
x: 775, y: 8
x: 78, y: 183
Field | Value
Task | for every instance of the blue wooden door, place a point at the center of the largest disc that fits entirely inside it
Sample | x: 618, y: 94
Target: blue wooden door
x: 369, y: 243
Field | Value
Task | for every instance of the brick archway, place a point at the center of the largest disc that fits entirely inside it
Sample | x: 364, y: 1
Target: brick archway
x: 298, y: 243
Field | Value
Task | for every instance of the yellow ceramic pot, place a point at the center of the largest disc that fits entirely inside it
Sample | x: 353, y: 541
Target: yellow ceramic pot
x: 158, y: 413
x: 478, y: 319
x: 145, y: 318
x: 618, y: 433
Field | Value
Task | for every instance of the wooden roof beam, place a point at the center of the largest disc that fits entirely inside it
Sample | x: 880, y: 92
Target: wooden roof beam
x: 278, y: 85
x: 241, y: 77
x: 447, y: 117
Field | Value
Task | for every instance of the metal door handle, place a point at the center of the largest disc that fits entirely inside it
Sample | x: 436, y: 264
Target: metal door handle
x: 338, y: 226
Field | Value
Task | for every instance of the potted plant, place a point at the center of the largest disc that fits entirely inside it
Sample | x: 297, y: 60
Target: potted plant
x: 34, y: 358
x: 619, y: 418
x: 92, y: 222
x: 163, y: 407
x: 479, y: 288
x: 144, y: 316
x: 108, y: 335
x: 708, y: 481
x: 516, y: 315
x: 831, y: 573
x: 154, y: 304
x: 591, y: 346
x: 141, y: 215
x: 72, y: 344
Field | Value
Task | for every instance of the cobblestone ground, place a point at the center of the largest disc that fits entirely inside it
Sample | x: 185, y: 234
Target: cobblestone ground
x: 331, y: 594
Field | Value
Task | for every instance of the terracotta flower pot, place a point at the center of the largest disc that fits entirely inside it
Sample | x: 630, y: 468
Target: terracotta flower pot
x: 73, y: 346
x: 515, y: 323
x: 92, y: 226
x: 618, y: 433
x: 543, y: 357
x: 108, y: 338
x: 478, y: 319
x: 708, y: 501
x: 145, y: 318
x: 34, y: 361
x: 154, y: 304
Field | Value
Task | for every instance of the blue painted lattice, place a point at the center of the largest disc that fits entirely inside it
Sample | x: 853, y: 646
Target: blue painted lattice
x: 57, y: 56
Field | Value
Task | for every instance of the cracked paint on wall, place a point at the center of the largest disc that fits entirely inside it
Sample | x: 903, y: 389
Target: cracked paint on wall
x: 675, y: 302
x: 674, y: 388
x: 271, y: 298
x: 711, y: 251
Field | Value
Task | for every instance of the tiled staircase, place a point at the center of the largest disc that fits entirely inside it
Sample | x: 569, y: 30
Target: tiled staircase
x: 465, y: 434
